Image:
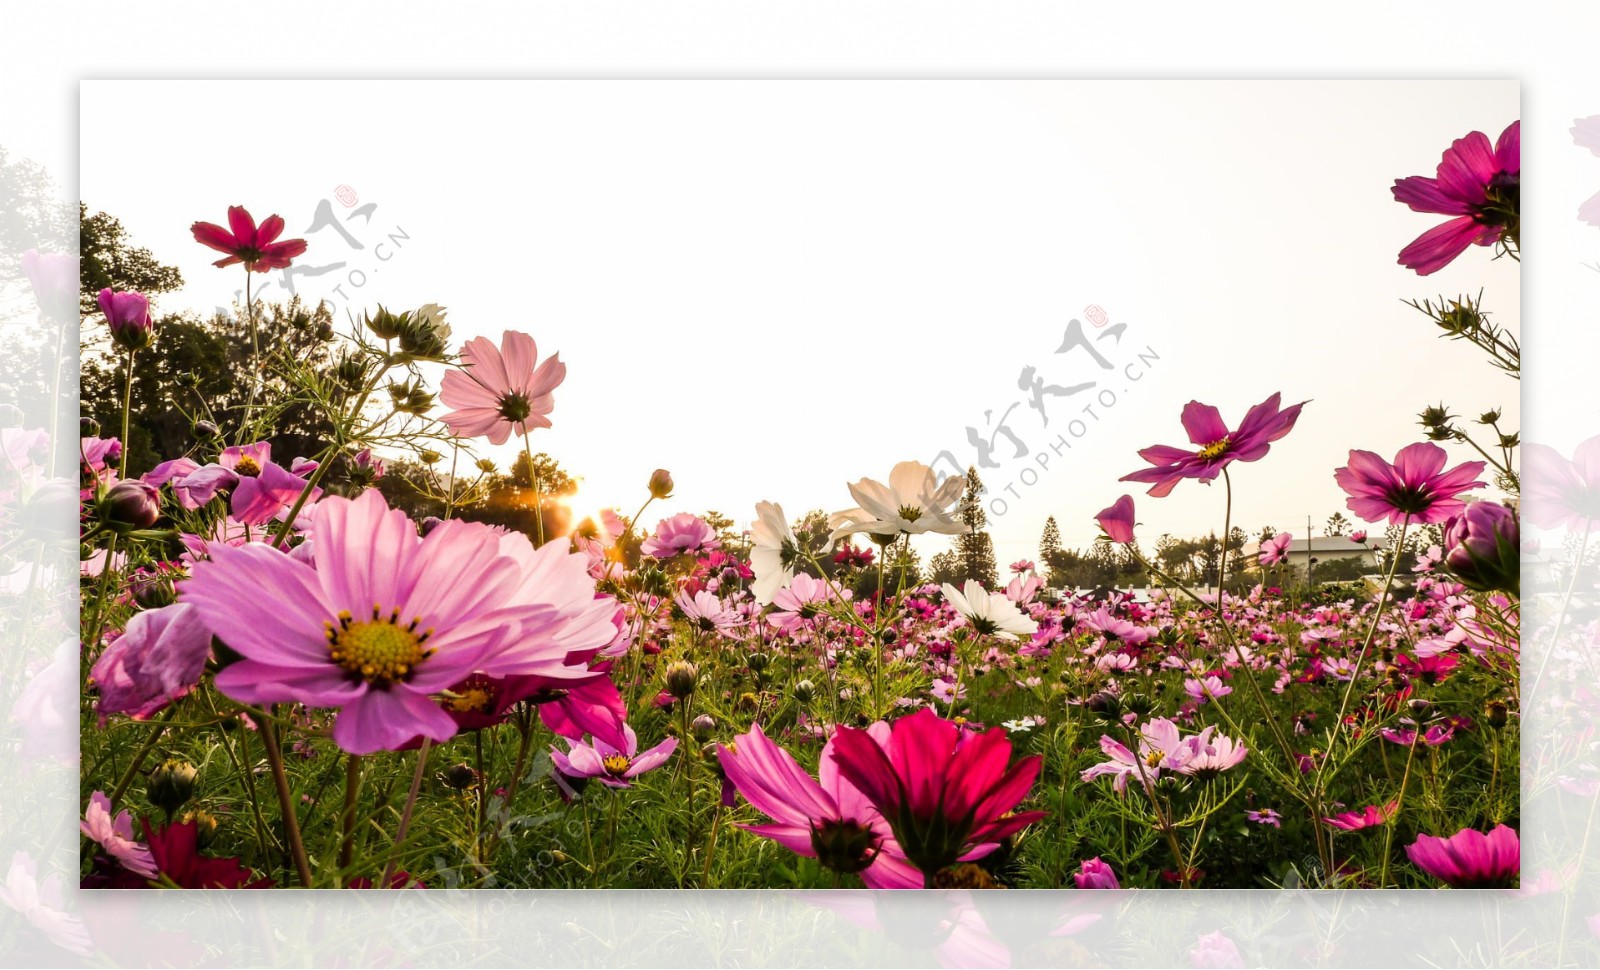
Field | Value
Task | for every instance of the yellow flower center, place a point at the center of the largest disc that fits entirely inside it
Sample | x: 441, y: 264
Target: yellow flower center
x: 1215, y: 449
x: 380, y: 651
x: 472, y: 699
x: 1153, y: 759
x: 615, y: 764
x: 910, y: 513
x: 247, y: 466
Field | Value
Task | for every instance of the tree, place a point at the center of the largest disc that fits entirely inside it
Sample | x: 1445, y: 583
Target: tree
x: 1049, y: 541
x: 107, y: 258
x: 1337, y: 525
x: 974, y: 548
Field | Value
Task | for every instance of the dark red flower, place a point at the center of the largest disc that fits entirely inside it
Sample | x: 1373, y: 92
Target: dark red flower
x: 247, y: 243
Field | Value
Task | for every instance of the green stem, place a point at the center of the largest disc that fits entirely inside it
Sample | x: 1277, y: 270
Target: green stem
x: 405, y: 813
x: 280, y: 781
x: 352, y: 794
x: 127, y: 411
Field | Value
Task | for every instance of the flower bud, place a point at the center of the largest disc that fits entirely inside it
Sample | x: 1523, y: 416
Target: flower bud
x: 386, y: 325
x: 757, y: 662
x: 1105, y: 705
x: 1489, y: 417
x: 206, y: 430
x: 429, y: 457
x: 151, y: 590
x: 702, y: 727
x: 128, y: 316
x: 205, y: 827
x: 1496, y: 714
x: 682, y: 678
x: 804, y: 691
x: 486, y: 466
x: 1418, y: 707
x: 1484, y: 544
x: 660, y: 483
x: 88, y: 427
x: 458, y: 776
x: 130, y: 504
x: 171, y: 784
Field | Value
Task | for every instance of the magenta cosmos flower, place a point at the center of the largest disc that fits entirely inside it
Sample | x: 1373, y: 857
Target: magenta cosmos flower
x: 1218, y: 444
x: 1366, y: 818
x: 1415, y: 488
x: 1116, y: 521
x: 257, y: 247
x: 1276, y: 549
x: 1476, y: 183
x: 1470, y: 859
x: 611, y: 765
x: 826, y: 818
x: 260, y: 488
x: 943, y: 790
x: 380, y: 622
x: 682, y: 533
x: 128, y: 316
x: 501, y: 391
x: 1095, y: 874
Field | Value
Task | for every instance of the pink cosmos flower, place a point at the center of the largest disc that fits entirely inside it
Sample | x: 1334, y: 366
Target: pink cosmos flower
x: 1366, y: 818
x: 1470, y: 859
x: 41, y: 905
x: 800, y: 601
x: 943, y: 790
x: 1207, y: 688
x: 1276, y: 549
x: 1266, y: 816
x: 1214, y: 951
x: 1358, y: 537
x: 684, y: 533
x: 377, y: 624
x: 1095, y: 874
x: 1558, y: 492
x: 1478, y: 185
x: 501, y: 391
x: 1415, y: 488
x: 115, y: 836
x: 613, y: 766
x: 157, y: 659
x: 1162, y: 747
x: 54, y: 278
x: 1218, y: 444
x: 1116, y: 521
x: 706, y: 611
x: 261, y: 488
x: 245, y: 242
x: 1432, y: 736
x: 825, y: 818
x: 566, y: 622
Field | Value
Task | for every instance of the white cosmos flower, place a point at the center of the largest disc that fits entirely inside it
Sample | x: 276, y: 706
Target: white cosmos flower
x: 774, y: 553
x: 991, y: 613
x: 913, y: 502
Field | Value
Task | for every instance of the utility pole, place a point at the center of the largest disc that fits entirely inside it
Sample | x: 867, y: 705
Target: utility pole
x: 1309, y: 559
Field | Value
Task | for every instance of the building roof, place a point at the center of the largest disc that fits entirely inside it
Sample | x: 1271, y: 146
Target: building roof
x: 1323, y: 544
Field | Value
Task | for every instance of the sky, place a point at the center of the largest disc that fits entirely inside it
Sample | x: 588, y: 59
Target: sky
x: 774, y: 288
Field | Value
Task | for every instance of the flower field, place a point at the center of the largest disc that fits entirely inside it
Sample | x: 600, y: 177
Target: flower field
x: 325, y: 643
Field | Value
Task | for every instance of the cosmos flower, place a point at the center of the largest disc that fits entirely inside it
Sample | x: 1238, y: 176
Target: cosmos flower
x: 1560, y: 492
x: 912, y: 503
x: 115, y: 836
x: 943, y: 790
x: 158, y: 658
x: 1366, y: 818
x: 1415, y: 488
x: 774, y: 552
x: 1470, y: 859
x: 501, y: 391
x: 1095, y: 874
x: 1276, y: 549
x: 1485, y: 548
x: 613, y: 766
x: 1477, y: 184
x: 801, y: 600
x: 705, y: 611
x: 41, y: 904
x: 826, y: 818
x: 128, y: 316
x: 380, y: 622
x: 261, y: 488
x: 992, y: 614
x: 1266, y: 816
x: 682, y: 534
x: 1116, y: 521
x: 256, y: 247
x: 1219, y: 445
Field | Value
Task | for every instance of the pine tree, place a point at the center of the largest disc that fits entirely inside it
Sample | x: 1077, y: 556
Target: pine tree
x: 974, y: 548
x: 1337, y: 525
x: 1050, y: 541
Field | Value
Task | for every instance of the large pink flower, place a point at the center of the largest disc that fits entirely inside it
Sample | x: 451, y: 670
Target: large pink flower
x: 827, y: 819
x: 680, y: 534
x: 260, y: 487
x: 1276, y: 549
x: 245, y: 242
x: 1415, y: 488
x: 377, y: 624
x: 943, y: 790
x: 500, y: 391
x: 1470, y: 859
x: 1476, y: 183
x: 1218, y: 444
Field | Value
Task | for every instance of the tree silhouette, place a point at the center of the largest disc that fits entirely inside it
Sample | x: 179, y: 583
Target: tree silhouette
x: 974, y: 548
